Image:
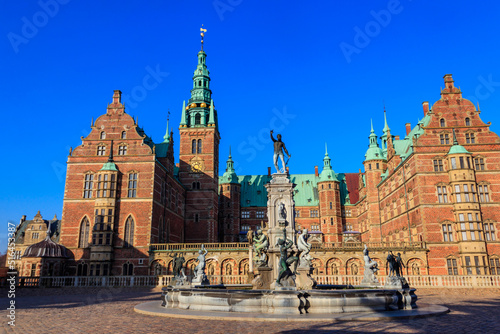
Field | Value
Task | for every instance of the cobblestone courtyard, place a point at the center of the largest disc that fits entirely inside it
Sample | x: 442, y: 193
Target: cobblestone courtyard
x: 108, y: 310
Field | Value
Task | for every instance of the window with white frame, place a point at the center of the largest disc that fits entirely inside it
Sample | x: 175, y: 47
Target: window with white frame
x: 122, y: 149
x: 245, y: 214
x: 260, y: 214
x: 101, y: 150
x: 447, y: 233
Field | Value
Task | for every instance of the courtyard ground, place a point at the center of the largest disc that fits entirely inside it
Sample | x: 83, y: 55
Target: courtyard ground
x: 111, y: 310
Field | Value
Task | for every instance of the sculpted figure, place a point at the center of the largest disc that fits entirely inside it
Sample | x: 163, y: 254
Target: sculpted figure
x: 199, y: 270
x: 178, y: 269
x: 391, y: 260
x: 285, y: 261
x: 304, y: 248
x: 250, y: 237
x: 369, y: 263
x: 282, y: 211
x: 279, y: 147
x: 399, y: 265
x: 260, y: 246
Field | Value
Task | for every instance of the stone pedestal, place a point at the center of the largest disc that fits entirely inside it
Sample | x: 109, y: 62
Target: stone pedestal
x: 262, y: 278
x: 199, y: 281
x: 369, y: 278
x: 396, y: 282
x: 279, y: 191
x: 303, y: 280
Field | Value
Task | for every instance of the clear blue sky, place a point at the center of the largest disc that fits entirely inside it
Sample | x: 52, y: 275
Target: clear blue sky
x: 329, y: 65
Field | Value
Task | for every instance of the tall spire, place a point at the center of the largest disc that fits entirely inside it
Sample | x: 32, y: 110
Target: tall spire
x: 110, y: 157
x: 386, y: 126
x: 201, y: 92
x: 327, y: 174
x: 326, y: 159
x: 183, y: 115
x: 166, y: 137
x: 374, y: 152
x: 230, y: 175
x: 211, y: 117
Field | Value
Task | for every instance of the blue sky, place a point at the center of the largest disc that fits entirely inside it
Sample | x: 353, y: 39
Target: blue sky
x: 315, y: 71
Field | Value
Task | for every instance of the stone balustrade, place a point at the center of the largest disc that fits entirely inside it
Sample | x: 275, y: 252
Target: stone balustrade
x: 194, y: 247
x: 431, y: 281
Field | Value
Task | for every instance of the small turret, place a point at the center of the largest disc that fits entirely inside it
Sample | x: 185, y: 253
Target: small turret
x: 327, y: 174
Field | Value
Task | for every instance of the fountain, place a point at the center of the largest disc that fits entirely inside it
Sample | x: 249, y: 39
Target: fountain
x: 282, y: 286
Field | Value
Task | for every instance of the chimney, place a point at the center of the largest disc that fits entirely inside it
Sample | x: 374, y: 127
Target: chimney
x: 23, y: 218
x: 117, y: 97
x: 316, y: 173
x: 268, y: 171
x: 408, y: 128
x: 425, y: 105
x: 397, y: 138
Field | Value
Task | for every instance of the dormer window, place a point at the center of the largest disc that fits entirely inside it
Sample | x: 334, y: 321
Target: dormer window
x: 103, y: 135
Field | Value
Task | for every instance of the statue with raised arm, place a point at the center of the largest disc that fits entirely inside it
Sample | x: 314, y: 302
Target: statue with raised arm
x: 260, y: 246
x: 279, y: 147
x: 199, y: 270
x: 371, y: 267
x: 305, y: 259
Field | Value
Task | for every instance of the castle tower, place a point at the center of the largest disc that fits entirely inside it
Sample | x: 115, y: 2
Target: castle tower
x: 375, y: 164
x: 199, y: 158
x: 329, y: 202
x: 229, y: 210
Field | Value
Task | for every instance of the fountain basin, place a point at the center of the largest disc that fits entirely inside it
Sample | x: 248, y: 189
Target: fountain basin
x: 288, y: 301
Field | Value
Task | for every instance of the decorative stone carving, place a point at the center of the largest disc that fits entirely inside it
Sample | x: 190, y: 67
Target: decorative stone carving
x: 305, y: 259
x: 260, y: 245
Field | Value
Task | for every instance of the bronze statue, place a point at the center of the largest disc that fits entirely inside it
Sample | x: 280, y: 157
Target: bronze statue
x: 391, y: 260
x: 285, y: 261
x: 279, y: 147
x: 399, y: 265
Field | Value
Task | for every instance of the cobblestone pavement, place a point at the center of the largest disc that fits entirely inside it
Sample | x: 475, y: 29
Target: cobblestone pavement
x: 109, y: 310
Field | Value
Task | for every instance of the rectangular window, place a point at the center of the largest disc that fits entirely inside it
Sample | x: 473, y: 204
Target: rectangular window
x: 453, y: 163
x: 314, y: 227
x: 479, y: 163
x: 489, y: 232
x: 495, y: 266
x: 122, y: 150
x: 33, y: 270
x: 297, y: 213
x: 476, y: 263
x: 452, y: 266
x: 444, y: 139
x: 458, y: 196
x: 87, y: 188
x: 447, y: 233
x: 468, y: 265
x: 245, y: 214
x: 101, y: 150
x: 438, y: 165
x: 466, y: 193
x: 245, y: 228
x: 484, y: 195
x: 462, y: 165
x: 260, y: 214
x: 442, y: 195
x: 314, y: 213
x: 470, y: 138
x: 132, y: 185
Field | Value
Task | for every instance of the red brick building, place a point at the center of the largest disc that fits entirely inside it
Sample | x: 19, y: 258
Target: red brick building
x: 438, y: 186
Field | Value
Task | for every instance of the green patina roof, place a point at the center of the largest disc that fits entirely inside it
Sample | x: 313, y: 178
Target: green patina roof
x: 327, y: 174
x: 374, y: 152
x: 404, y: 146
x: 230, y: 175
x: 254, y: 193
x: 458, y: 149
x: 109, y: 166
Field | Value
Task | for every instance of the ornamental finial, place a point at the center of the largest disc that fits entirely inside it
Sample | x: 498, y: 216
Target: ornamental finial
x: 202, y: 33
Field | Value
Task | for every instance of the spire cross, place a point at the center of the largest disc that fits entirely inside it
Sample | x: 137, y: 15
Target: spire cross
x: 202, y: 33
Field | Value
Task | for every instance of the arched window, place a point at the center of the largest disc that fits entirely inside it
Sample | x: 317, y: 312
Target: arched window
x: 103, y: 135
x: 199, y: 145
x: 82, y: 269
x: 128, y: 269
x: 193, y: 146
x: 128, y: 239
x: 467, y: 121
x: 442, y: 123
x: 124, y: 134
x: 84, y: 233
x: 197, y: 119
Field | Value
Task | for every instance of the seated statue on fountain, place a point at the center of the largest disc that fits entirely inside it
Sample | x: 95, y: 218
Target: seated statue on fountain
x: 371, y: 267
x: 199, y: 271
x: 285, y: 262
x: 305, y: 259
x: 260, y: 246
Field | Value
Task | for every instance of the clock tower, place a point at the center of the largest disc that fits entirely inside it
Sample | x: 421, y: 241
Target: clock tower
x: 199, y: 157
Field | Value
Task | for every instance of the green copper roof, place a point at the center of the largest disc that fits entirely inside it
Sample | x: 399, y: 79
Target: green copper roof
x: 161, y: 149
x: 254, y: 193
x: 404, y: 147
x: 374, y: 152
x: 230, y: 175
x: 327, y: 174
x: 201, y: 81
x: 457, y: 148
x: 109, y: 166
